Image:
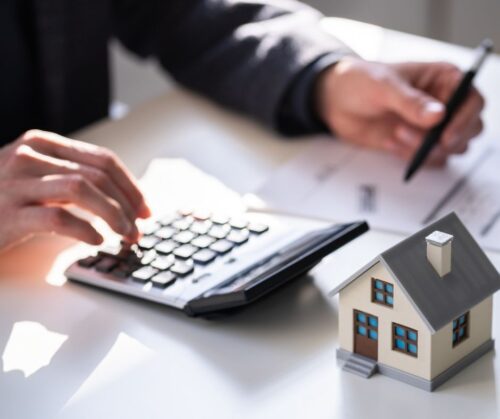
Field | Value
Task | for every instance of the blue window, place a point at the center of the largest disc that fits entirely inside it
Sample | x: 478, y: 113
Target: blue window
x: 404, y: 340
x: 460, y: 329
x: 400, y: 344
x: 366, y: 325
x: 400, y: 331
x: 382, y: 292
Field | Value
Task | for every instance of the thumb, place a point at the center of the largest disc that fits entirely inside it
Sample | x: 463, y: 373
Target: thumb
x: 413, y: 105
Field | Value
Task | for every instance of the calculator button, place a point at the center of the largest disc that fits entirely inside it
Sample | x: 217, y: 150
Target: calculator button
x: 183, y: 223
x: 166, y: 233
x: 148, y: 257
x: 88, y: 262
x: 166, y: 247
x: 184, y: 237
x: 238, y: 236
x: 219, y: 232
x: 204, y: 256
x: 257, y: 228
x: 106, y: 264
x: 182, y: 268
x: 148, y: 242
x: 219, y: 219
x: 222, y: 246
x: 163, y: 262
x: 122, y: 271
x: 169, y: 219
x: 113, y: 251
x: 238, y: 223
x: 185, y: 251
x: 200, y: 227
x: 149, y: 228
x: 201, y: 215
x: 184, y: 212
x: 202, y: 241
x: 164, y: 279
x: 144, y: 274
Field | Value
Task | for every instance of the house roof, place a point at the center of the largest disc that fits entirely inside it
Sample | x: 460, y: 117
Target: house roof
x: 439, y: 300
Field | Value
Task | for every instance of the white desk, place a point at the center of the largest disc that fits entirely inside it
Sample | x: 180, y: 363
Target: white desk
x: 125, y: 358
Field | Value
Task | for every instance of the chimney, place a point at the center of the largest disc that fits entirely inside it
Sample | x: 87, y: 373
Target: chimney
x: 439, y: 252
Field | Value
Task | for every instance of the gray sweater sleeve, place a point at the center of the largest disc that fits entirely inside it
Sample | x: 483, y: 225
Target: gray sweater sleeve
x: 245, y: 55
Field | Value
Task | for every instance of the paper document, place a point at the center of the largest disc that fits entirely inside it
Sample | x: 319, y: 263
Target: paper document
x: 335, y: 181
x: 172, y: 184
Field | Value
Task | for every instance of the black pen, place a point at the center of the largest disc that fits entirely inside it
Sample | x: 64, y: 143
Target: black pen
x: 452, y: 107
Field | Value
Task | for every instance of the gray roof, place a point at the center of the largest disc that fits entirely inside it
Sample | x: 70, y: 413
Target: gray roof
x: 439, y: 300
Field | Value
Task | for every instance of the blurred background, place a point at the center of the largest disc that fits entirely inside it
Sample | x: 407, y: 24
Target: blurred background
x: 463, y: 22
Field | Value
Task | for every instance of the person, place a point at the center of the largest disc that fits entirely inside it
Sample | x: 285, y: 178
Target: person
x: 269, y: 59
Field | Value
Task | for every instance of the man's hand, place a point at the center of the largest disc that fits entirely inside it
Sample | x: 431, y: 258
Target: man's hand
x: 41, y: 173
x: 392, y: 106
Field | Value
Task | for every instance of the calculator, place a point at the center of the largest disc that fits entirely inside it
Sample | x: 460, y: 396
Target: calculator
x: 204, y: 263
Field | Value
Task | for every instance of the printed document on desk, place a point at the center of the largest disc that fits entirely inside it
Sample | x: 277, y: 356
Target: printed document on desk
x: 336, y: 181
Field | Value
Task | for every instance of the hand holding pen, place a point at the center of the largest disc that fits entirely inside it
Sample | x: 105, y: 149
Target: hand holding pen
x: 454, y: 103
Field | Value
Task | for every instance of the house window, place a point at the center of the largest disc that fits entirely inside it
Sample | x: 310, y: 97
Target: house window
x: 460, y: 329
x: 404, y: 340
x: 366, y: 325
x: 382, y: 292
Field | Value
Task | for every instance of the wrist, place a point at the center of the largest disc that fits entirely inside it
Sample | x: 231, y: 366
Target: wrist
x: 326, y: 87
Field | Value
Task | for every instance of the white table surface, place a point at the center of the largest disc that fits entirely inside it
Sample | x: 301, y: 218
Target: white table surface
x: 123, y: 358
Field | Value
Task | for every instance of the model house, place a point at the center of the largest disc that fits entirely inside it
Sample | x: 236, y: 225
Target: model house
x: 422, y: 310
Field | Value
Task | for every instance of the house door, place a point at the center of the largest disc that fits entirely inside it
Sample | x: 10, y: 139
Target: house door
x: 366, y: 334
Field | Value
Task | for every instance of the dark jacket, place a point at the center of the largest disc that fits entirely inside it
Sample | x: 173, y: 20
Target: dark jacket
x: 243, y: 54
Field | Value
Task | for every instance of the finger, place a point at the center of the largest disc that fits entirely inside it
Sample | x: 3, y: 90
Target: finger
x: 413, y: 138
x: 439, y: 79
x: 91, y: 155
x: 436, y: 158
x: 466, y: 117
x: 39, y: 219
x: 461, y: 143
x: 409, y: 136
x: 32, y: 163
x: 412, y: 105
x: 373, y: 133
x: 75, y: 189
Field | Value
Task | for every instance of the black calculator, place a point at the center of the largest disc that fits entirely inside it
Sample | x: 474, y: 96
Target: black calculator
x: 203, y: 263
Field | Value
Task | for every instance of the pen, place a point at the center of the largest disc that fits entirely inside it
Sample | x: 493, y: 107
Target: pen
x: 452, y: 107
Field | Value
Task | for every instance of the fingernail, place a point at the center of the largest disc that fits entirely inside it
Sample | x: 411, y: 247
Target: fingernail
x: 432, y: 108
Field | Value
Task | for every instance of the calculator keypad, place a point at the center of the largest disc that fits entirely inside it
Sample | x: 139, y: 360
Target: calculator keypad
x: 173, y: 247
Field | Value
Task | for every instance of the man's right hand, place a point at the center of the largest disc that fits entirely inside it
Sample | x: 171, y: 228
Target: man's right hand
x: 41, y: 173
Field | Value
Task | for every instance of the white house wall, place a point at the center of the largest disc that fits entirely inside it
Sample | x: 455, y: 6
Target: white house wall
x: 444, y: 355
x: 357, y: 295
